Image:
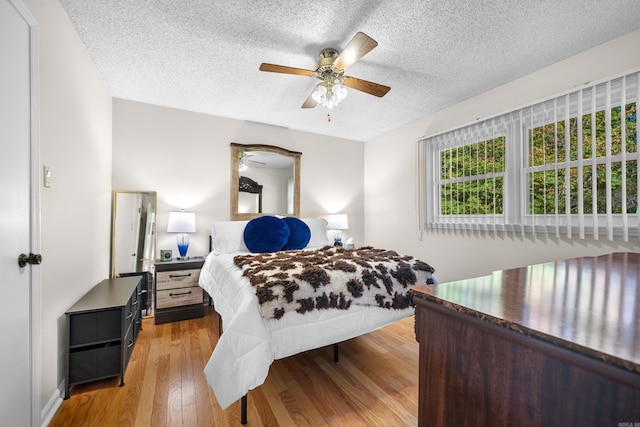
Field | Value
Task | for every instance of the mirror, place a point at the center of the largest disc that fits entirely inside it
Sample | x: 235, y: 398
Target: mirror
x: 133, y: 238
x: 264, y: 180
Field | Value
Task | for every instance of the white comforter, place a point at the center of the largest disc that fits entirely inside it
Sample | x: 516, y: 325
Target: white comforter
x: 250, y: 343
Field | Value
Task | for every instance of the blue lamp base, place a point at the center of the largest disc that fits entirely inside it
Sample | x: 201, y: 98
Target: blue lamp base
x: 337, y: 238
x: 183, y: 244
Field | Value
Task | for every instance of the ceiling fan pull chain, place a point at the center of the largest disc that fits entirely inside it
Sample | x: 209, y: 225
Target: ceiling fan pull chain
x: 328, y: 117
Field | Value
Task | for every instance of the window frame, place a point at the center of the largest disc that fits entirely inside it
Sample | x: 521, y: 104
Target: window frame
x: 517, y: 197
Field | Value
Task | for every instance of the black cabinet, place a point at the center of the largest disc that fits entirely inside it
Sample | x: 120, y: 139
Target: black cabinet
x: 102, y: 328
x: 146, y: 290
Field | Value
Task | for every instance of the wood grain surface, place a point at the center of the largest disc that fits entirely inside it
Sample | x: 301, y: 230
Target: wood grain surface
x: 375, y: 383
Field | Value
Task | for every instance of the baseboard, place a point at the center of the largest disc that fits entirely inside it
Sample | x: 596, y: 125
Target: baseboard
x: 52, y: 405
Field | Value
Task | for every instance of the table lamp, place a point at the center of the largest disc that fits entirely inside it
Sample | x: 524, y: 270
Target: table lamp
x: 182, y: 223
x: 337, y: 223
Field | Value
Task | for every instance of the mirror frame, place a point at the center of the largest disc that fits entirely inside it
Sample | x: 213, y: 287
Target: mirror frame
x: 114, y: 196
x: 236, y: 151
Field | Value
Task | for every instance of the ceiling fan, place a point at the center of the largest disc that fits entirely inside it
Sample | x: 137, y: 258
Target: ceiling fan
x: 245, y: 159
x: 330, y: 69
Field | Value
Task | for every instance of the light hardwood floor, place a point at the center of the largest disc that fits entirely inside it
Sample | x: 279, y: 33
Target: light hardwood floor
x: 375, y: 383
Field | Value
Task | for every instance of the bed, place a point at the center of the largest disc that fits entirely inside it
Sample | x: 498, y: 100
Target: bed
x: 258, y: 330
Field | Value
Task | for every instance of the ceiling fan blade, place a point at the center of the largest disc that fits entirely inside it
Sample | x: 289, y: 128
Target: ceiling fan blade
x: 285, y: 70
x: 310, y: 102
x: 371, y: 88
x: 359, y: 46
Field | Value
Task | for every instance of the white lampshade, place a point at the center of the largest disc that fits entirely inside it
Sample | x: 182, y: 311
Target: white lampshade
x: 338, y: 222
x: 181, y: 222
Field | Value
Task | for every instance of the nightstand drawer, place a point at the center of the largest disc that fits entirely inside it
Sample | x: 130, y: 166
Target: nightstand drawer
x: 177, y: 279
x: 178, y: 297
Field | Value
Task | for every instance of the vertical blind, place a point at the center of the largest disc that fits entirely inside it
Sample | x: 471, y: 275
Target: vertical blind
x: 566, y: 166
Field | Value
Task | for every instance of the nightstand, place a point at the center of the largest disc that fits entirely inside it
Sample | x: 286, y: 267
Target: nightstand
x: 178, y: 296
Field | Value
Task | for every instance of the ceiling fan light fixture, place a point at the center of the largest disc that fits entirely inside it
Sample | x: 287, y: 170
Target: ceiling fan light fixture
x: 329, y: 93
x: 339, y: 91
x: 330, y: 69
x: 320, y: 94
x: 242, y: 164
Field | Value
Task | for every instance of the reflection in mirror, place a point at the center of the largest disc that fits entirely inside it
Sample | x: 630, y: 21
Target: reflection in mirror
x: 250, y: 197
x: 264, y: 179
x: 133, y: 237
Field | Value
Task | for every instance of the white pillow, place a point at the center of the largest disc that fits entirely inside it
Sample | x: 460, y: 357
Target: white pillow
x: 228, y: 237
x: 318, y: 228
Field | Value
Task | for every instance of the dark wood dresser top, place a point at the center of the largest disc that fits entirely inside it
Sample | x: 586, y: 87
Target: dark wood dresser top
x: 590, y: 305
x: 109, y: 293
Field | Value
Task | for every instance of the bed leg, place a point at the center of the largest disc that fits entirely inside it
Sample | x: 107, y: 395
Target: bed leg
x: 335, y: 352
x: 243, y: 410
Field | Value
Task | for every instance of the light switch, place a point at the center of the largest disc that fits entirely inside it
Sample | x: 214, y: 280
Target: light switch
x: 47, y: 176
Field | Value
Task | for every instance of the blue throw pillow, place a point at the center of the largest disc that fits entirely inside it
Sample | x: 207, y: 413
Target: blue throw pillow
x: 299, y: 234
x: 266, y: 234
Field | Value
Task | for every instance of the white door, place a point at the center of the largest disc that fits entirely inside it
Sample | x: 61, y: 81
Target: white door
x: 18, y: 219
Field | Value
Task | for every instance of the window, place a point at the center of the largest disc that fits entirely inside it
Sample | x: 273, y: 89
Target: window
x: 567, y: 165
x: 472, y: 178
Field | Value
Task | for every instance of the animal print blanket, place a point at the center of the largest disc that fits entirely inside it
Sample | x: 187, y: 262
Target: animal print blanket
x: 332, y: 277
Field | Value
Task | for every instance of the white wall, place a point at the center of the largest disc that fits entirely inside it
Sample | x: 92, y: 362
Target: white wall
x: 75, y: 142
x: 185, y: 157
x: 390, y: 218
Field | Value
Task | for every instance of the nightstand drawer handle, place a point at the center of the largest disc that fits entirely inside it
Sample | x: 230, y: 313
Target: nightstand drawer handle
x: 129, y: 316
x: 179, y: 275
x: 180, y: 293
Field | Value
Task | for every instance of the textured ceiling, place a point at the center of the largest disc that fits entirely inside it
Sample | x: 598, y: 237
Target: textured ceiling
x: 203, y: 55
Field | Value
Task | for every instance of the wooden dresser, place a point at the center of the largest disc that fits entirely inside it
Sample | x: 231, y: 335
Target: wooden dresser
x: 102, y: 328
x: 549, y: 344
x: 178, y: 295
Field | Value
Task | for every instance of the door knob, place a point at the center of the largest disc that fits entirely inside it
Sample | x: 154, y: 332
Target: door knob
x: 25, y: 259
